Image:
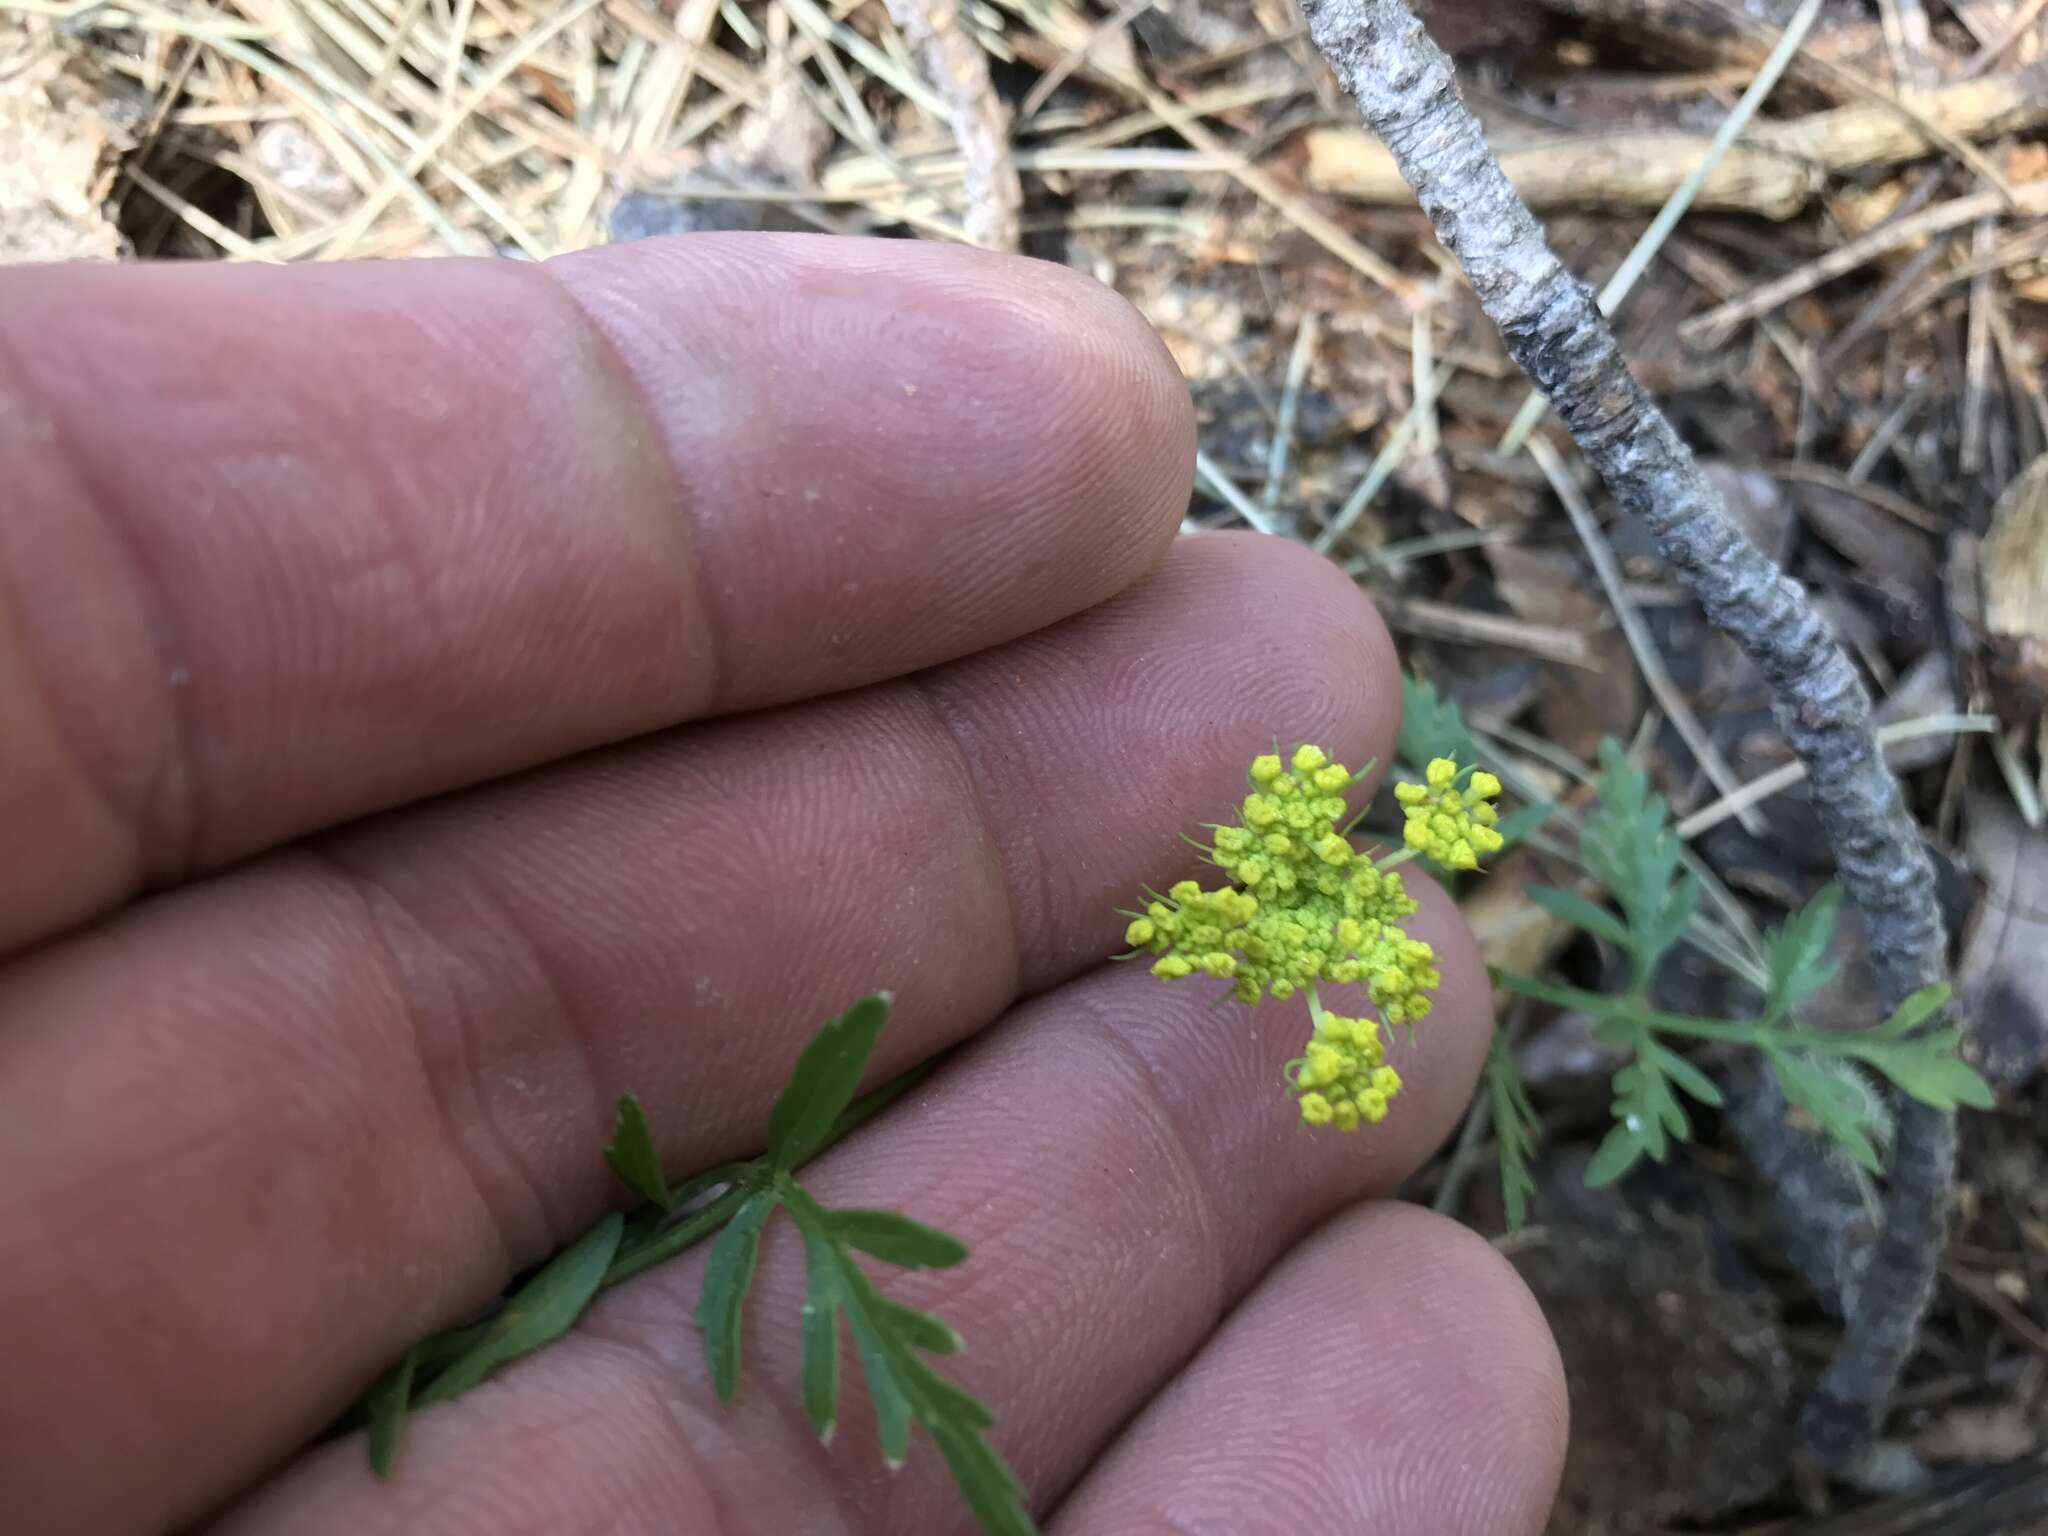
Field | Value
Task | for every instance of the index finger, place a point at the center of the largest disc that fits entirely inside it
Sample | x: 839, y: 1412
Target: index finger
x: 286, y: 546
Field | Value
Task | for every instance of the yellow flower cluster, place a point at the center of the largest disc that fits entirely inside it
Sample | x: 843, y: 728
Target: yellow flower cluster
x: 1452, y: 826
x: 1344, y: 1079
x: 1304, y: 906
x: 1311, y: 907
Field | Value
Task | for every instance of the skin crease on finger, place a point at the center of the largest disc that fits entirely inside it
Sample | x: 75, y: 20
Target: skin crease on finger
x: 670, y: 918
x: 1124, y: 1165
x: 285, y: 546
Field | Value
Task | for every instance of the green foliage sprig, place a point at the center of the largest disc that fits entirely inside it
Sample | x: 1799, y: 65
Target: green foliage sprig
x: 1629, y: 847
x: 735, y: 1202
x: 1515, y: 1127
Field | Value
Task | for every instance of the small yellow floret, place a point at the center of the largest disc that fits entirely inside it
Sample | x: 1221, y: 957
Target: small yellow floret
x: 1453, y: 827
x: 1343, y: 1071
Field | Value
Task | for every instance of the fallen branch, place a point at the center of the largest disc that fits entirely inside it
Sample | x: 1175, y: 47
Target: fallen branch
x: 955, y: 66
x: 1708, y: 33
x: 1884, y: 238
x: 1404, y: 85
x: 1775, y: 170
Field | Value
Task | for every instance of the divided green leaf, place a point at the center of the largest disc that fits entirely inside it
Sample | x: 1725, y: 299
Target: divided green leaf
x: 994, y: 1496
x: 885, y: 1391
x: 385, y: 1409
x: 1916, y: 1010
x: 1839, y: 1106
x: 896, y: 1239
x: 1581, y: 913
x: 542, y: 1310
x: 1926, y: 1067
x: 1688, y: 1077
x: 632, y: 1156
x: 822, y: 1084
x: 1648, y: 1113
x: 1798, y: 952
x: 1629, y: 845
x: 1619, y: 1151
x: 1644, y: 1101
x: 890, y: 1340
x: 1431, y: 726
x: 1515, y: 1129
x: 728, y: 1276
x: 920, y: 1329
x: 821, y: 1333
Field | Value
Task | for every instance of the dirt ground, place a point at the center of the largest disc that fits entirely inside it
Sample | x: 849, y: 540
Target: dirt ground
x: 1848, y: 324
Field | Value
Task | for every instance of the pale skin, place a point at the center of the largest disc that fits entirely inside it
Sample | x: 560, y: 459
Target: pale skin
x: 438, y: 698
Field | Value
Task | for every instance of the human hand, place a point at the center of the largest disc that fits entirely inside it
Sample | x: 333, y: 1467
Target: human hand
x: 436, y: 699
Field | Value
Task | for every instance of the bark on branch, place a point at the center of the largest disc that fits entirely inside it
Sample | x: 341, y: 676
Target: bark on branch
x: 954, y: 64
x: 1404, y: 86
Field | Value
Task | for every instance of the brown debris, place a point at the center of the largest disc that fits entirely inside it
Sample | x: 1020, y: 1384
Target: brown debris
x: 1679, y: 1379
x: 2013, y: 563
x: 2004, y: 965
x: 955, y: 65
x: 59, y: 151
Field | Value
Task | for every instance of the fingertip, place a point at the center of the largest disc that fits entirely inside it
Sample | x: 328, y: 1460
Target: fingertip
x: 1472, y: 1388
x: 1392, y: 1373
x: 1479, y: 1322
x: 1121, y: 403
x: 989, y: 444
x: 1318, y: 649
x: 1130, y: 385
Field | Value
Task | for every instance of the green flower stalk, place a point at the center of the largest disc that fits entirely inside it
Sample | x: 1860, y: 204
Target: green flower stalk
x: 1302, y: 905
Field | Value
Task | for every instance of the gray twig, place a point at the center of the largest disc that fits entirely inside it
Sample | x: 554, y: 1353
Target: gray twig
x: 958, y: 70
x: 1405, y: 88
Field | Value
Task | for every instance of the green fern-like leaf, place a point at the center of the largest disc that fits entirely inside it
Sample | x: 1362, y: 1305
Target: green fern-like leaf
x: 727, y: 1278
x: 1629, y: 845
x: 1798, y: 954
x: 1515, y: 1129
x: 891, y: 1341
x: 1431, y: 726
x: 632, y: 1156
